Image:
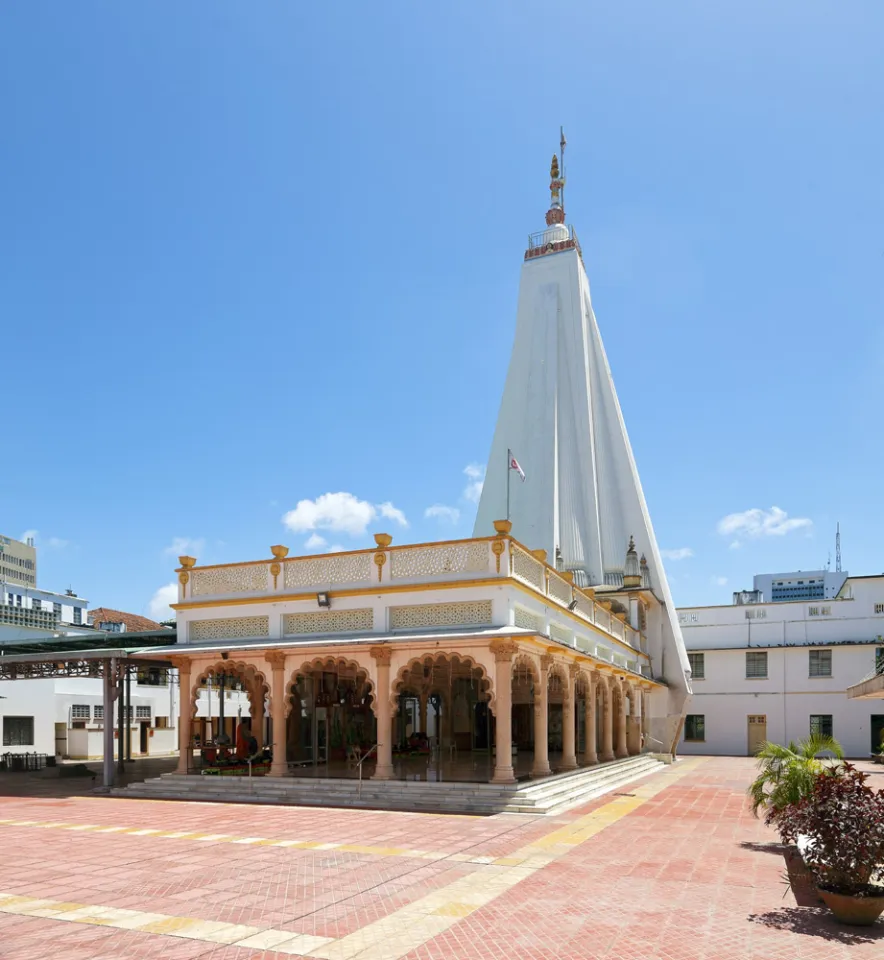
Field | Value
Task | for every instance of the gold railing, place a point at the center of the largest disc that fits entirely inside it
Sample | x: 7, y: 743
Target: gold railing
x: 465, y: 560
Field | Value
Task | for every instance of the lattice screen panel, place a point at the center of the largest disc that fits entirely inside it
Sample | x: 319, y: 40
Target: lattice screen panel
x: 230, y: 628
x: 250, y: 578
x: 466, y: 613
x: 328, y: 621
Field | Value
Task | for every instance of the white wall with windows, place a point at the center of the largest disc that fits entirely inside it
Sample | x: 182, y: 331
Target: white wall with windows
x: 779, y: 671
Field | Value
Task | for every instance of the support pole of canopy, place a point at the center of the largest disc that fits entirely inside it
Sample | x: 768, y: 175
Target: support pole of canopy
x: 108, y: 700
x: 121, y: 719
x: 128, y: 712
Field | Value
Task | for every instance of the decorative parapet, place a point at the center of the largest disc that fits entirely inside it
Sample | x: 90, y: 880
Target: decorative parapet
x: 325, y: 571
x: 527, y: 568
x: 432, y: 560
x: 233, y: 579
x: 499, y: 557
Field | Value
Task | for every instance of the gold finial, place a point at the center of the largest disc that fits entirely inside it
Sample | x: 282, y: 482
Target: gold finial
x: 554, y: 168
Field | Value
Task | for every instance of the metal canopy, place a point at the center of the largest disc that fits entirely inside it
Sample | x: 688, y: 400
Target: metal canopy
x: 84, y: 656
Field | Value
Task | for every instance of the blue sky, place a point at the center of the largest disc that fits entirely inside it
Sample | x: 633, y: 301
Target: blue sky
x: 252, y: 254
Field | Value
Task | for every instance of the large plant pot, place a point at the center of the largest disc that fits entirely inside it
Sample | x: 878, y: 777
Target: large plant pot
x: 801, y: 880
x: 855, y: 911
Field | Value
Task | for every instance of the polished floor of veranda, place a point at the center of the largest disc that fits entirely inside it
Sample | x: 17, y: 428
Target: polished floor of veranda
x: 462, y: 767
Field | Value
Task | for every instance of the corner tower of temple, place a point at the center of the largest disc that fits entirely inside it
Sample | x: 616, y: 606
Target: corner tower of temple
x: 582, y: 499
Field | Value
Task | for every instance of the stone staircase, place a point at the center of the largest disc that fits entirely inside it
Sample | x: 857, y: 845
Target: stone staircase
x: 550, y: 795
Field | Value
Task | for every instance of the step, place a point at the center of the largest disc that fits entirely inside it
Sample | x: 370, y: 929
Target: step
x: 550, y: 795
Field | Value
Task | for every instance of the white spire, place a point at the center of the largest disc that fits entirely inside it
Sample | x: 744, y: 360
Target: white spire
x: 560, y: 416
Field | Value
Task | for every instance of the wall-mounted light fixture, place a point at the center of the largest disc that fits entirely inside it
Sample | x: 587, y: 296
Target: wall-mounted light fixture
x: 573, y: 605
x: 323, y: 599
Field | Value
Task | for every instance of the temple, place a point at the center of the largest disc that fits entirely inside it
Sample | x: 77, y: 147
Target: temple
x: 544, y: 644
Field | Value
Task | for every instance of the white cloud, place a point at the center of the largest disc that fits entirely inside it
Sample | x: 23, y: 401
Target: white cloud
x: 341, y: 512
x: 185, y: 546
x: 336, y: 548
x: 720, y: 581
x: 440, y: 512
x: 756, y: 523
x: 392, y: 513
x: 680, y: 553
x: 314, y: 541
x: 158, y: 608
x: 56, y: 543
x: 475, y: 473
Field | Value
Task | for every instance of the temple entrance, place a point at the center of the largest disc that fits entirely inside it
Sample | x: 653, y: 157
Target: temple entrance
x: 227, y: 725
x: 442, y: 727
x: 330, y: 726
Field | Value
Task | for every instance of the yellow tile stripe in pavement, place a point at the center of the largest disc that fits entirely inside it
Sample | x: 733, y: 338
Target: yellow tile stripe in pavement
x: 225, y: 838
x: 393, y: 936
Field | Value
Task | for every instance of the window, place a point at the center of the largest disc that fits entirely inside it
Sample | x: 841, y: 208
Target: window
x: 826, y: 611
x: 756, y: 614
x: 9, y: 598
x: 821, y: 725
x: 756, y: 666
x: 161, y: 723
x: 36, y: 605
x: 142, y: 713
x: 698, y: 665
x: 56, y: 609
x: 78, y: 614
x: 18, y: 599
x: 18, y: 731
x: 821, y: 663
x: 99, y: 712
x: 695, y: 726
x: 111, y: 627
x: 80, y: 711
x: 813, y: 611
x: 689, y: 618
x: 879, y: 608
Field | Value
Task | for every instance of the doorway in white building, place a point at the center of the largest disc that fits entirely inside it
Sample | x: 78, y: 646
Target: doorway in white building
x: 757, y: 732
x: 61, y: 739
x: 877, y: 732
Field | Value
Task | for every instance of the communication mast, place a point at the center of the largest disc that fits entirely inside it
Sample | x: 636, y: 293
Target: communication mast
x: 838, y: 548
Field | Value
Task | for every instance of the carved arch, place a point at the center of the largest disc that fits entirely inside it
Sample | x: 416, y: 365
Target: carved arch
x: 257, y: 688
x: 329, y: 663
x: 428, y: 660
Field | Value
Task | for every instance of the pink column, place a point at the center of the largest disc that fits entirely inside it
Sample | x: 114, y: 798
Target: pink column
x: 504, y: 651
x: 185, y: 741
x: 620, y: 717
x: 607, y: 720
x: 569, y: 749
x: 279, y: 767
x: 590, y: 755
x: 541, y: 721
x: 383, y: 713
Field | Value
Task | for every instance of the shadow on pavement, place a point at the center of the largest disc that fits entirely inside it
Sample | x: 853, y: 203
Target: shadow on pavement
x: 86, y: 780
x: 817, y: 922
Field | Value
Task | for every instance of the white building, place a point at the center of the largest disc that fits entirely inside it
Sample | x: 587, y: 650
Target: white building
x: 780, y: 670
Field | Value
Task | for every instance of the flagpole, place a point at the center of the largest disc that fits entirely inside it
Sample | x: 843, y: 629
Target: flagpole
x: 509, y: 460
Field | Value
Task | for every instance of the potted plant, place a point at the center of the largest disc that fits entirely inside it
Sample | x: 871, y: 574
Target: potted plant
x: 786, y: 775
x: 841, y: 823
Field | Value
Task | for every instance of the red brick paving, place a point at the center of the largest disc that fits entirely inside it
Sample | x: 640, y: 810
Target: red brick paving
x: 689, y: 875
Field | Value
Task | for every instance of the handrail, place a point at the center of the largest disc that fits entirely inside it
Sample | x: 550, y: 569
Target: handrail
x: 362, y: 760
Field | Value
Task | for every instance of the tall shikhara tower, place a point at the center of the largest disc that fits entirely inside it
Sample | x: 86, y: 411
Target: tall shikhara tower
x: 582, y: 499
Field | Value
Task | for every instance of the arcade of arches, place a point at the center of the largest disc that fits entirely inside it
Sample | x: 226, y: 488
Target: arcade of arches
x: 498, y: 713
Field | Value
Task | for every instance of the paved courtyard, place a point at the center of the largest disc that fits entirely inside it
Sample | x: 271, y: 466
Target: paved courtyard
x: 672, y: 867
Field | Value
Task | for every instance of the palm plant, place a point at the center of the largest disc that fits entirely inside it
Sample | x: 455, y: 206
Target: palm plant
x: 786, y: 774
